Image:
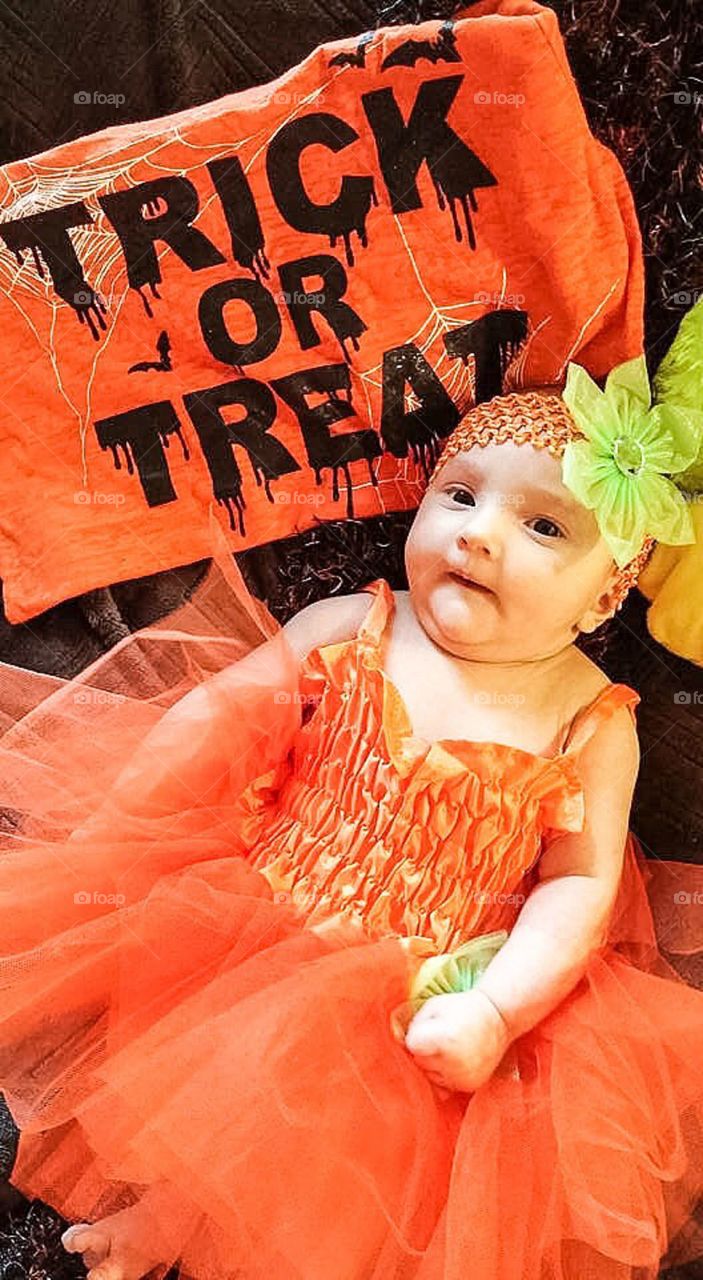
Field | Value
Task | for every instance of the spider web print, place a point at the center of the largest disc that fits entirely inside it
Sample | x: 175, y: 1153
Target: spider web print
x: 457, y: 376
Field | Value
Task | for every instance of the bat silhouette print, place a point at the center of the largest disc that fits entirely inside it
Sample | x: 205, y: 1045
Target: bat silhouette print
x: 163, y: 364
x: 409, y: 53
x: 353, y: 57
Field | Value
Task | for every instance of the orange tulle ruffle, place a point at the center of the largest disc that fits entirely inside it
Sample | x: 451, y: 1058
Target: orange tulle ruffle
x: 177, y: 1042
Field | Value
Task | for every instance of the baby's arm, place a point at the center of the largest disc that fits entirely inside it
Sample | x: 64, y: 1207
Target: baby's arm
x: 327, y: 622
x: 565, y: 918
x: 460, y: 1039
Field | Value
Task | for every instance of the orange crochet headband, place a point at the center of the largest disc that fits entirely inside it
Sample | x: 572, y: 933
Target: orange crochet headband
x: 541, y: 418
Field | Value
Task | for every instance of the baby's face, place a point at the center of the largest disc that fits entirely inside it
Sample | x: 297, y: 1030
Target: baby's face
x: 501, y: 516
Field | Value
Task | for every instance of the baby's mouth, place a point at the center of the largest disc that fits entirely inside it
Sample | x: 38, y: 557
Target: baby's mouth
x: 470, y: 585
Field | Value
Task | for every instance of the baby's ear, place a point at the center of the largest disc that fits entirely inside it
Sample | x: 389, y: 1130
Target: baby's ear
x: 604, y: 606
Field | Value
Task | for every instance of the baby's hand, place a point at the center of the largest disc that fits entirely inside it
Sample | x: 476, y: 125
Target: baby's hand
x: 458, y: 1039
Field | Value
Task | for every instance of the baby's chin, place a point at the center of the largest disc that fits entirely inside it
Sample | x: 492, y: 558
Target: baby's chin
x: 469, y: 624
x: 460, y: 618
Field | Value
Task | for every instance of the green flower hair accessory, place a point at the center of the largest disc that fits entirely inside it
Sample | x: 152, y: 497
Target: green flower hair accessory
x: 622, y: 469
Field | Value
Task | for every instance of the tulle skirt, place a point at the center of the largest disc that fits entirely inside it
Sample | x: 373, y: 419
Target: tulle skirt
x: 176, y: 1042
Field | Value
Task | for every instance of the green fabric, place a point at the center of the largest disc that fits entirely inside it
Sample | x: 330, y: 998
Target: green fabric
x: 457, y: 970
x: 678, y: 382
x: 622, y: 470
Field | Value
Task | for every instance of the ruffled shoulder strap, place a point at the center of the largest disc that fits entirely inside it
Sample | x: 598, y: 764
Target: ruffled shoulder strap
x: 374, y: 624
x: 595, y: 713
x: 562, y: 805
x: 324, y: 660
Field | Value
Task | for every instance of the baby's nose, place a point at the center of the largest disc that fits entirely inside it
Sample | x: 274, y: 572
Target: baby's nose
x: 483, y: 530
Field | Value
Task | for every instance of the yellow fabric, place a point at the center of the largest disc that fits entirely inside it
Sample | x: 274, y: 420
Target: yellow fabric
x: 673, y: 581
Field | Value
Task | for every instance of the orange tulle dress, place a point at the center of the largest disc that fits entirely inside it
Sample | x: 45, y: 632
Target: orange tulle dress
x: 204, y: 914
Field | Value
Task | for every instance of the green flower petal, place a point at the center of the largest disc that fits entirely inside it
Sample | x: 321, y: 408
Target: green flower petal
x: 628, y: 393
x: 584, y: 470
x: 667, y: 515
x: 588, y: 406
x: 682, y: 428
x: 650, y: 505
x: 622, y: 518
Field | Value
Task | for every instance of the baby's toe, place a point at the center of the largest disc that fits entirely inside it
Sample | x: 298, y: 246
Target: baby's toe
x: 84, y: 1238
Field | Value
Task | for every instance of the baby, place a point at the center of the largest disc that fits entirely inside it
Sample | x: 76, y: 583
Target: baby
x: 506, y: 567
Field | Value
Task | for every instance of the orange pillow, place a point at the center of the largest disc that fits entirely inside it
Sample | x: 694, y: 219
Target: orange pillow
x: 275, y: 306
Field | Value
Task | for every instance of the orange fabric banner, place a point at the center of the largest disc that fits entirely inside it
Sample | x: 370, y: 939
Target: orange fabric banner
x: 277, y: 305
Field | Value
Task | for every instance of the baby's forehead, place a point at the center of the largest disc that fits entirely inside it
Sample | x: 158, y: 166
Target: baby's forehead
x: 510, y: 462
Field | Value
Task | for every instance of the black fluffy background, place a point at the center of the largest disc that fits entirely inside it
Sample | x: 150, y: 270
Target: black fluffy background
x: 640, y: 73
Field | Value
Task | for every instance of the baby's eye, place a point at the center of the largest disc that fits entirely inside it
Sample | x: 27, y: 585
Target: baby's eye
x: 463, y: 495
x: 547, y: 528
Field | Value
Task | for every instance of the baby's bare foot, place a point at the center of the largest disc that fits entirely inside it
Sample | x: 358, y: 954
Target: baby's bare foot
x: 108, y: 1248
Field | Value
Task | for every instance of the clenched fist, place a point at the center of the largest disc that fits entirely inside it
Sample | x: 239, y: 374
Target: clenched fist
x: 458, y: 1039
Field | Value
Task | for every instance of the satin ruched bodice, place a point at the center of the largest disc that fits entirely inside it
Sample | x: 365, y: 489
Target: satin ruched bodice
x: 408, y: 838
